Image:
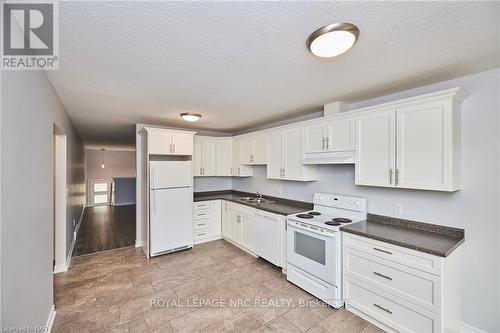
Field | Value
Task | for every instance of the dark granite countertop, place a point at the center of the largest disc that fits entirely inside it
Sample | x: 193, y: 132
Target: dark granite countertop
x: 280, y: 206
x: 424, y: 237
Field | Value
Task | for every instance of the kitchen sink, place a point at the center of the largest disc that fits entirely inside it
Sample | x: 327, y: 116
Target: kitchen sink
x: 255, y: 200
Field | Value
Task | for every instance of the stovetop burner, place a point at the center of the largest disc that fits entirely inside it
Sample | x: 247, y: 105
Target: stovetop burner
x: 305, y: 216
x: 314, y: 213
x: 342, y: 220
x: 333, y: 223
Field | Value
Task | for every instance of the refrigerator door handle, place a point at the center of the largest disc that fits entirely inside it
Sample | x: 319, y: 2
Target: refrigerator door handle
x: 153, y: 194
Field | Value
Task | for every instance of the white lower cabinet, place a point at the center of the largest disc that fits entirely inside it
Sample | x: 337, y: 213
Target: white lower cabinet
x: 240, y: 225
x: 399, y: 289
x: 207, y: 221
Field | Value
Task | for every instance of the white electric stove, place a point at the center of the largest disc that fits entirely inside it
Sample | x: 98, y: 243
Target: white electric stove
x: 314, y: 244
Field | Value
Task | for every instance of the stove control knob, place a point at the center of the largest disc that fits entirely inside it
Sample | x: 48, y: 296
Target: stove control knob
x: 351, y: 202
x: 357, y: 203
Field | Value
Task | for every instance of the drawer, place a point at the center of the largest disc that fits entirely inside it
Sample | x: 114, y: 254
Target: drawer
x: 420, y: 288
x: 201, y: 224
x: 201, y: 234
x: 411, y: 258
x: 201, y: 214
x: 389, y: 310
x: 201, y: 205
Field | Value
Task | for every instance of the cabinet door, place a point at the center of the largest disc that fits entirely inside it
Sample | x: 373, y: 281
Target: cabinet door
x: 375, y: 148
x: 234, y: 230
x: 315, y: 138
x: 159, y: 144
x: 275, y: 156
x: 215, y: 226
x: 245, y: 149
x: 224, y: 159
x: 340, y: 135
x: 225, y: 220
x: 197, y: 156
x: 208, y: 157
x: 425, y: 147
x: 236, y: 159
x: 259, y: 146
x: 247, y: 231
x: 293, y: 154
x: 182, y: 143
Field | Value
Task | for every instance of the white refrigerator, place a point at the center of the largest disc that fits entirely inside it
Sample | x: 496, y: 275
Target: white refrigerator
x: 170, y: 207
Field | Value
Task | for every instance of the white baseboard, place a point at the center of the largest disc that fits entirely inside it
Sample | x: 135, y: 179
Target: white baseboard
x: 138, y: 243
x: 466, y: 328
x: 50, y: 320
x: 60, y: 268
x: 64, y: 267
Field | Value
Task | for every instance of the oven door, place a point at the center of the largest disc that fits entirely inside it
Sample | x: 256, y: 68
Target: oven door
x: 315, y: 252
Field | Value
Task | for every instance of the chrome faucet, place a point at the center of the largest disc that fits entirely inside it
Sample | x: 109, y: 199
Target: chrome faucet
x: 259, y: 195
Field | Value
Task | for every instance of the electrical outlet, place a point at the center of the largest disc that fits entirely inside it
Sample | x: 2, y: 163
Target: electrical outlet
x: 398, y: 208
x: 74, y: 222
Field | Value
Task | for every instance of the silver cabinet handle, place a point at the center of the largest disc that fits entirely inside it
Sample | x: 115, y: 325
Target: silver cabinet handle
x: 383, y: 251
x: 396, y: 174
x: 239, y: 171
x: 327, y: 143
x: 382, y: 308
x: 284, y: 172
x: 323, y: 145
x: 382, y: 275
x: 231, y: 172
x: 390, y: 176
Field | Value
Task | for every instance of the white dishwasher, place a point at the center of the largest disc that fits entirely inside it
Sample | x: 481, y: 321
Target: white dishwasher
x: 267, y: 236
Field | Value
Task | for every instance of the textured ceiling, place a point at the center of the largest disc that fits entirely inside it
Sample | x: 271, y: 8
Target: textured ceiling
x: 243, y: 64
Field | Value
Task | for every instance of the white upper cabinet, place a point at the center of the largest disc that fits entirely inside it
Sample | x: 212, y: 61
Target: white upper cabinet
x: 245, y: 149
x: 204, y: 159
x: 252, y: 149
x: 239, y: 169
x: 275, y: 158
x: 375, y: 153
x: 259, y: 149
x: 169, y: 142
x: 329, y: 142
x: 285, y: 157
x: 415, y: 144
x: 427, y: 147
x: 340, y: 135
x: 315, y: 138
x: 182, y: 143
x: 224, y: 156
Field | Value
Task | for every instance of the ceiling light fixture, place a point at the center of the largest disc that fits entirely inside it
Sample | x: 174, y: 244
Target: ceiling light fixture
x: 190, y: 116
x: 333, y: 39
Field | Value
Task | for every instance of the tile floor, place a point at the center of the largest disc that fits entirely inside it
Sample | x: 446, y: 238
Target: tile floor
x: 215, y: 287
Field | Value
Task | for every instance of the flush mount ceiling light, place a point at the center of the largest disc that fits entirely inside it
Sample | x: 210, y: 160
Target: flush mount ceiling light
x: 333, y: 39
x: 190, y: 116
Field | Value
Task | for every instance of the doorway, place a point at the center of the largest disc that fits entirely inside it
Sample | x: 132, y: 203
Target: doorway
x: 60, y: 189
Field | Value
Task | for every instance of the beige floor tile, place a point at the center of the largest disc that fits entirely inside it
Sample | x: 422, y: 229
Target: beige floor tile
x: 278, y: 325
x: 305, y: 317
x: 199, y: 319
x: 113, y: 292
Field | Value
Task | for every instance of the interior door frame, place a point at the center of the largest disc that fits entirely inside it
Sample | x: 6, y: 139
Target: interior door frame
x: 60, y: 198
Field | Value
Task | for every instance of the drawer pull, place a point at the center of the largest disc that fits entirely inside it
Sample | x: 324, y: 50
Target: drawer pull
x: 382, y: 275
x: 382, y: 308
x: 200, y: 234
x: 201, y: 214
x: 200, y: 224
x: 383, y: 251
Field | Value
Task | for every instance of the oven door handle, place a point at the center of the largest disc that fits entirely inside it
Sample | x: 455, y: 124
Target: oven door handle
x: 318, y: 232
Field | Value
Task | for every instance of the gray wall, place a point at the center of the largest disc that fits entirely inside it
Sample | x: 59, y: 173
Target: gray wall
x: 202, y: 184
x: 475, y: 207
x: 30, y: 108
x: 118, y: 163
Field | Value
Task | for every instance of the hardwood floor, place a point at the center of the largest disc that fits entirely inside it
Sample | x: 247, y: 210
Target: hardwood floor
x: 105, y: 228
x: 214, y: 287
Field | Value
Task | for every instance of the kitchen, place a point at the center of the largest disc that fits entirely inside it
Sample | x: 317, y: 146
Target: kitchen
x: 272, y: 195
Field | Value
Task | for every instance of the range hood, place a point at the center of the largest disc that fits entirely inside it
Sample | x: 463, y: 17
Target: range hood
x: 330, y: 157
